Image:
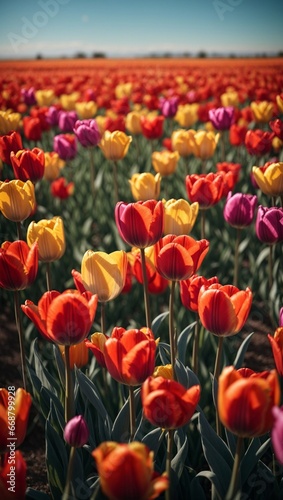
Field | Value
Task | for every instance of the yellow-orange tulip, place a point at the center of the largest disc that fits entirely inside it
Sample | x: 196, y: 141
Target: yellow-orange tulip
x: 270, y: 179
x: 17, y: 199
x: 78, y: 354
x: 164, y: 371
x: 20, y: 404
x: 133, y: 122
x: 262, y: 111
x: 115, y: 145
x: 104, y: 274
x: 183, y: 142
x: 145, y: 186
x: 68, y: 101
x: 205, y: 144
x: 8, y: 122
x: 50, y: 237
x: 279, y: 102
x: 187, y: 115
x: 179, y: 216
x: 53, y: 165
x: 245, y: 400
x: 165, y: 162
x: 45, y: 97
x: 86, y: 110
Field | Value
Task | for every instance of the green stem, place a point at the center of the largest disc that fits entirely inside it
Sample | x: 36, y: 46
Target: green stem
x: 234, y: 482
x: 115, y: 178
x: 145, y: 289
x: 195, y: 349
x: 132, y: 412
x: 170, y: 436
x: 69, y: 390
x: 236, y: 257
x: 222, y: 141
x: 270, y: 267
x: 92, y: 170
x: 172, y: 339
x: 67, y: 493
x: 21, y: 336
x: 216, y: 376
x: 102, y: 317
x: 19, y: 230
x: 48, y: 277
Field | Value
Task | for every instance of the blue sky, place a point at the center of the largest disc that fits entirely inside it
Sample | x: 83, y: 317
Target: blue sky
x: 129, y: 28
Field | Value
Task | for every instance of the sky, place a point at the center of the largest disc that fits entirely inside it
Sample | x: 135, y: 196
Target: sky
x: 129, y: 28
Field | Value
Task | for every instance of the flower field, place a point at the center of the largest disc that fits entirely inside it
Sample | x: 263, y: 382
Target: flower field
x: 141, y: 236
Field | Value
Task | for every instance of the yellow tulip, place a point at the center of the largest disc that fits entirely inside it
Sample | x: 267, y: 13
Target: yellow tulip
x: 115, y: 145
x: 187, y: 114
x: 230, y: 98
x: 164, y: 371
x: 86, y: 110
x: 133, y: 122
x: 68, y: 101
x: 53, y: 165
x: 123, y: 90
x: 17, y: 199
x: 100, y: 120
x: 277, y: 144
x: 270, y: 181
x: 279, y: 102
x: 183, y: 142
x: 45, y: 97
x: 145, y: 186
x: 205, y: 144
x: 9, y: 121
x: 262, y: 111
x: 179, y: 216
x: 50, y: 237
x: 165, y: 162
x: 104, y: 274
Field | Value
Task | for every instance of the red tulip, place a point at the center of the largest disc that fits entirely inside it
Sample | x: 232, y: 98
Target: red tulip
x: 258, y: 142
x: 8, y: 143
x: 152, y: 128
x: 276, y: 343
x: 32, y: 128
x: 189, y: 290
x: 13, y: 477
x: 206, y: 189
x: 18, y: 265
x: 61, y: 188
x: 28, y: 164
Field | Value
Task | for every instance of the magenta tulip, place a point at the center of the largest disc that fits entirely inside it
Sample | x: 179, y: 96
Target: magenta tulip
x: 269, y: 224
x: 239, y: 209
x: 221, y: 118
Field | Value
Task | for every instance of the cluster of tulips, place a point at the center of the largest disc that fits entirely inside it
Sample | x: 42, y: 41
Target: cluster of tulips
x: 125, y: 409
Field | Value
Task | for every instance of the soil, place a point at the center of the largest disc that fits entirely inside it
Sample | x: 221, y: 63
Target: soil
x: 258, y: 357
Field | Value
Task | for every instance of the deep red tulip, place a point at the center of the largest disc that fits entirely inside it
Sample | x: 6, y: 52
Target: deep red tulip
x: 8, y: 143
x: 18, y: 265
x: 28, y: 164
x: 32, y: 128
x: 277, y: 127
x: 258, y: 142
x: 152, y: 128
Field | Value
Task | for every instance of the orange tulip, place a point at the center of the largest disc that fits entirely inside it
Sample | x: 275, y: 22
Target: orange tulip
x: 189, y: 290
x: 276, y: 343
x: 245, y: 400
x: 223, y: 309
x: 17, y: 406
x: 126, y: 471
x: 168, y: 404
x: 78, y: 354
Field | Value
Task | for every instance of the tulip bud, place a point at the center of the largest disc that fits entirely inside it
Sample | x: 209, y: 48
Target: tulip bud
x: 76, y: 432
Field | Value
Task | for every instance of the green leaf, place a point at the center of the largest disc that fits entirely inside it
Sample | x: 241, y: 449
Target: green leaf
x: 238, y: 362
x: 183, y: 341
x: 207, y: 475
x: 56, y: 461
x: 253, y: 454
x: 121, y: 426
x: 157, y: 322
x: 43, y: 374
x: 153, y: 439
x: 164, y: 353
x: 179, y: 459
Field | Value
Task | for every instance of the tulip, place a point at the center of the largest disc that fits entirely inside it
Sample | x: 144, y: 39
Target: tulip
x: 276, y: 343
x: 164, y: 371
x: 17, y: 199
x: 13, y: 468
x: 239, y: 209
x: 67, y: 120
x: 103, y: 274
x: 205, y: 144
x: 53, y: 165
x: 115, y: 123
x: 165, y: 162
x: 140, y: 224
x: 96, y: 345
x: 222, y: 118
x: 262, y: 111
x: 245, y: 400
x: 281, y: 317
x: 187, y: 115
x: 76, y: 432
x: 205, y: 189
x: 237, y: 134
x: 86, y: 110
x: 269, y: 224
x: 277, y: 127
x: 167, y: 404
x: 18, y: 265
x: 28, y: 96
x: 152, y: 128
x: 258, y: 142
x: 183, y: 142
x: 8, y: 143
x: 40, y: 114
x: 133, y: 122
x: 32, y: 128
x: 279, y: 102
x: 277, y: 433
x: 189, y: 290
x: 65, y: 145
x: 52, y: 115
x: 28, y: 164
x: 61, y: 188
x: 9, y: 122
x: 223, y: 309
x: 145, y: 186
x: 115, y: 145
x: 20, y: 409
x: 45, y: 97
x: 69, y: 101
x: 87, y: 132
x: 155, y: 282
x: 179, y: 257
x: 50, y: 237
x: 230, y: 98
x: 231, y: 168
x: 179, y: 216
x: 63, y: 318
x: 78, y: 354
x: 270, y: 179
x: 168, y: 106
x: 134, y: 461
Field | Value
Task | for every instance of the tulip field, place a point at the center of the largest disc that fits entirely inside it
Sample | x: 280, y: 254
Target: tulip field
x: 141, y: 211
